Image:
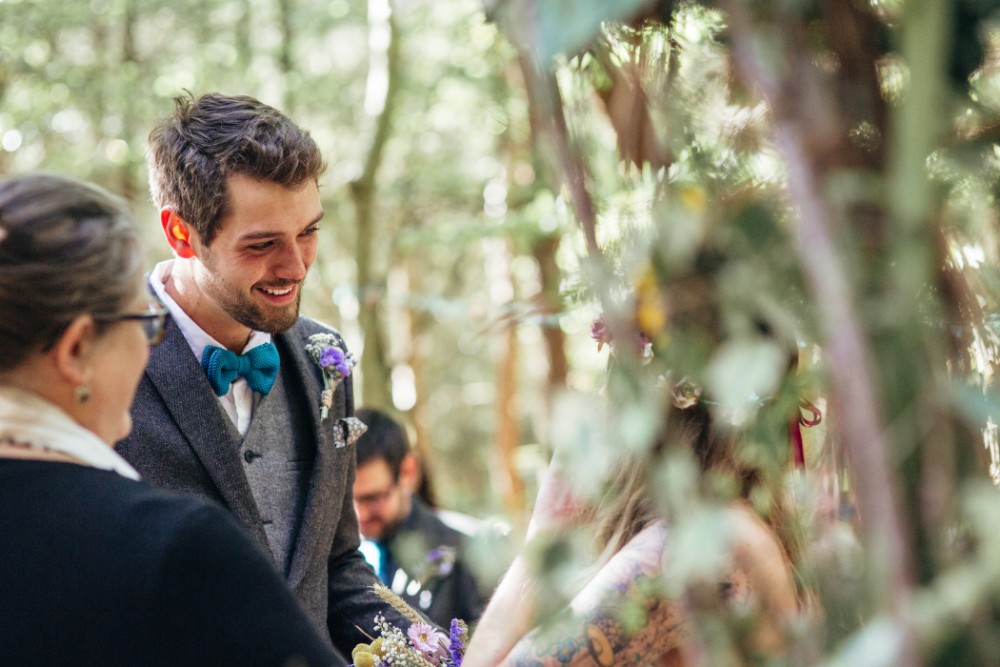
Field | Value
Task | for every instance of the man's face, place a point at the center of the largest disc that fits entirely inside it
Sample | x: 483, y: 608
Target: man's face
x: 378, y: 499
x: 255, y: 266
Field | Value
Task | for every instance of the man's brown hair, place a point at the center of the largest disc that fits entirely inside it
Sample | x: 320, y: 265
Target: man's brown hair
x: 192, y: 153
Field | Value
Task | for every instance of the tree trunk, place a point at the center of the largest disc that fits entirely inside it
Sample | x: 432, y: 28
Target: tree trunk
x: 285, y: 50
x: 128, y: 187
x: 508, y: 422
x: 544, y: 252
x: 383, y: 78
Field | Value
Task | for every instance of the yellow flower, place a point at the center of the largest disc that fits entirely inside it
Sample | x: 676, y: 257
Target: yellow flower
x: 693, y: 198
x: 650, y: 313
x: 363, y: 656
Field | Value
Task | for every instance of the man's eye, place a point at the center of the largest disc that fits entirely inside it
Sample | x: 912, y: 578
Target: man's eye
x: 310, y: 231
x: 260, y: 246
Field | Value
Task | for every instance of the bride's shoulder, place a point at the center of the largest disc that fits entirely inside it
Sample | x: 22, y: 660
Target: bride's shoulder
x: 758, y: 557
x: 748, y: 532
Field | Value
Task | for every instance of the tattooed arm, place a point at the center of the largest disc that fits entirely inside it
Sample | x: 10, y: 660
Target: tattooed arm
x: 507, y: 618
x: 619, y: 618
x: 511, y: 610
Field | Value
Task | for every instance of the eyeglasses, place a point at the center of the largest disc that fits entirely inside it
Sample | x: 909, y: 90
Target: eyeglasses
x: 153, y: 321
x: 376, y: 499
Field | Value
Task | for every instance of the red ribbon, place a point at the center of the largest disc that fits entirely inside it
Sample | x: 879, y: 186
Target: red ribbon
x: 795, y: 425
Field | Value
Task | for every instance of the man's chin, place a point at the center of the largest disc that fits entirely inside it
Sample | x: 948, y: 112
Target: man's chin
x: 272, y: 323
x: 371, y: 535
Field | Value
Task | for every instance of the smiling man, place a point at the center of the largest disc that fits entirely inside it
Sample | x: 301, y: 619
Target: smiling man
x: 230, y: 405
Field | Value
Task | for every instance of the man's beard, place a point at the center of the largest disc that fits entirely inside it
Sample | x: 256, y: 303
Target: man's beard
x: 250, y: 315
x: 239, y: 306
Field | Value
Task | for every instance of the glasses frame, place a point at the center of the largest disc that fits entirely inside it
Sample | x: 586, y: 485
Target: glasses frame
x: 156, y: 315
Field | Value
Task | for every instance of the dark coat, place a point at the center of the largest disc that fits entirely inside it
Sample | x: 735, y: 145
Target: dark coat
x: 180, y: 441
x: 435, y: 576
x: 96, y: 569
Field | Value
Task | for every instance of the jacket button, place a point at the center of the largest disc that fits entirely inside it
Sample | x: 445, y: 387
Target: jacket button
x: 249, y: 456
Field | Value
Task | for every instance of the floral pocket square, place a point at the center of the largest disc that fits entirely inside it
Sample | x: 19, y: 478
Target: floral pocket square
x: 347, y: 430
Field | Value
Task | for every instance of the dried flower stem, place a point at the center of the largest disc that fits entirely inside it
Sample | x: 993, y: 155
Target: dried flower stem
x: 398, y: 603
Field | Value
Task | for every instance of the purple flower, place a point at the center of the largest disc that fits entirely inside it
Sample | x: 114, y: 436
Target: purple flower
x: 332, y: 357
x: 644, y: 346
x: 456, y: 643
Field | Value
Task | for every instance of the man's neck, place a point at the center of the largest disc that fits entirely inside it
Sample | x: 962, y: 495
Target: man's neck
x: 204, y: 312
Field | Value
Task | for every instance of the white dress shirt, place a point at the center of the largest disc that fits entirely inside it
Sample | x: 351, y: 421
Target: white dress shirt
x: 239, y: 401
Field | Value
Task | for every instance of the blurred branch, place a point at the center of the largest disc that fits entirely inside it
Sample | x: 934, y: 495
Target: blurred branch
x: 804, y: 139
x: 549, y: 121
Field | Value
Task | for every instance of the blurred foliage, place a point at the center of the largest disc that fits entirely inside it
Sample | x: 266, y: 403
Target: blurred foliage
x: 825, y: 170
x: 761, y: 175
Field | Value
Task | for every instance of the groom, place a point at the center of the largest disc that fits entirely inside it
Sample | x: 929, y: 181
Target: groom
x: 236, y: 185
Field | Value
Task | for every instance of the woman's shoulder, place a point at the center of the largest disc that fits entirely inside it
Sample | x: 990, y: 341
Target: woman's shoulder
x: 100, y: 501
x: 643, y: 555
x: 759, y: 560
x: 750, y: 537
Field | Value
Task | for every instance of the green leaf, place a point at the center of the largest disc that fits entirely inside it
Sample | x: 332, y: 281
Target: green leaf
x: 550, y: 27
x: 567, y: 26
x: 975, y: 405
x: 743, y: 372
x: 879, y: 644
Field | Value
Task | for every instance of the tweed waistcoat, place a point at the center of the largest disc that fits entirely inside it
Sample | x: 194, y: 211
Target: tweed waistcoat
x: 278, y: 467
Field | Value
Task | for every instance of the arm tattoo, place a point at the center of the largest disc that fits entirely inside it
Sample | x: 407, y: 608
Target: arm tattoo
x: 632, y: 625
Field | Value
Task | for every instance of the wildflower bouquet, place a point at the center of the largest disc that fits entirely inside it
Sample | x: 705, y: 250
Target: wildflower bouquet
x: 422, y: 645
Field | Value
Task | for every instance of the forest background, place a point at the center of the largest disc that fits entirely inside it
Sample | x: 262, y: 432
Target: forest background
x: 429, y: 258
x: 501, y: 173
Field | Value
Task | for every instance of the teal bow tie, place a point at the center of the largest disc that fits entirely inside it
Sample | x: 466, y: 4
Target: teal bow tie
x: 259, y: 366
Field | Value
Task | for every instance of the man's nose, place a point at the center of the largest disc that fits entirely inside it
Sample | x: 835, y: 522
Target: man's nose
x: 292, y: 263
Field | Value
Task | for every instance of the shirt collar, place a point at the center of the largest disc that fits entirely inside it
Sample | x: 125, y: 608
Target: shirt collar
x: 195, y: 336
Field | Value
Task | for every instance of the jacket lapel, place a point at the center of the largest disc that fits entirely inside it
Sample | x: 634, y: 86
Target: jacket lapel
x: 315, y: 519
x: 189, y: 399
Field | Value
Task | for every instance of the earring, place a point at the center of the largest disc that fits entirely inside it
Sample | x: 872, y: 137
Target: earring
x: 81, y: 393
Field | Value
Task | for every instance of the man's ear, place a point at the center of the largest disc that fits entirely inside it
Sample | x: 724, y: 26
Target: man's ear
x: 409, y: 473
x: 71, y: 352
x: 178, y: 233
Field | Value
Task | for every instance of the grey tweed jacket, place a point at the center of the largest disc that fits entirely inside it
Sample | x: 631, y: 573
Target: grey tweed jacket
x: 179, y: 441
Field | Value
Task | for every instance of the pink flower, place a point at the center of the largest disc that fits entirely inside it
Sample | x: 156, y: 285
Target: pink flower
x: 427, y: 640
x: 599, y: 332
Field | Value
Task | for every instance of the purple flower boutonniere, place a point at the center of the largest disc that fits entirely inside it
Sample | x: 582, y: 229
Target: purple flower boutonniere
x: 440, y: 561
x: 336, y: 363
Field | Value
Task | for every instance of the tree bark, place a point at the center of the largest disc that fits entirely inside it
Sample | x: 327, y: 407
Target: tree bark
x: 384, y: 65
x: 508, y: 422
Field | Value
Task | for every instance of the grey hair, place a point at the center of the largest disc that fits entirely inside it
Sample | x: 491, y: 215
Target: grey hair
x: 66, y: 248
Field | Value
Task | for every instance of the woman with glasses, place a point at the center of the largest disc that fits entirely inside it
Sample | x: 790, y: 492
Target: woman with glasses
x: 97, y: 567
